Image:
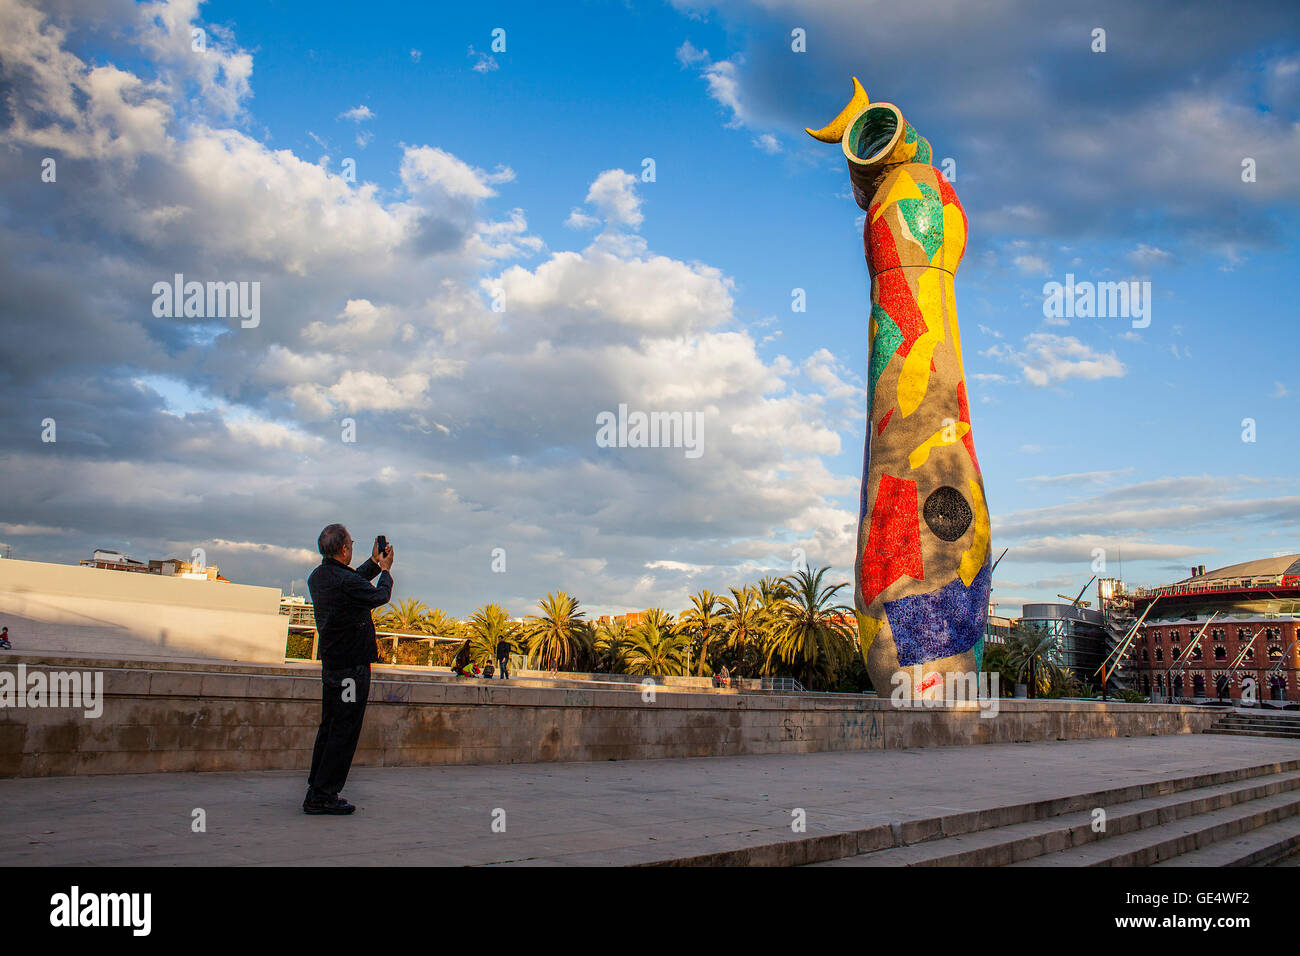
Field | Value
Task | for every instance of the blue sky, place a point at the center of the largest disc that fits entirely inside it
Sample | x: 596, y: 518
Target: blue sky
x: 522, y: 171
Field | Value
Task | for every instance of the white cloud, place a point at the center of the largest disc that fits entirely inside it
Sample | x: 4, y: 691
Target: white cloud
x: 22, y: 530
x: 614, y: 195
x: 1078, y: 478
x: 1030, y: 265
x: 688, y: 55
x: 724, y: 86
x: 580, y: 220
x: 1046, y: 359
x: 474, y: 423
x: 428, y: 165
x: 293, y: 555
x: 1145, y: 256
x: 484, y: 62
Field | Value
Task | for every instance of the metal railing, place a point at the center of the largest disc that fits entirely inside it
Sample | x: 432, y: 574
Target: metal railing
x: 783, y: 683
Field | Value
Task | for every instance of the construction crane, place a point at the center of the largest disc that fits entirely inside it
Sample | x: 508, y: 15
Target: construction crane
x: 1075, y: 602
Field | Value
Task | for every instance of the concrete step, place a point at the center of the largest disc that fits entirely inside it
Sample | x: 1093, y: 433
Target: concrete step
x: 1264, y: 728
x: 1259, y: 847
x: 1167, y: 841
x: 1243, y: 732
x: 1000, y: 846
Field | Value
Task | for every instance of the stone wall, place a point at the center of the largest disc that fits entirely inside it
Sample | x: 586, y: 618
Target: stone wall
x: 191, y: 717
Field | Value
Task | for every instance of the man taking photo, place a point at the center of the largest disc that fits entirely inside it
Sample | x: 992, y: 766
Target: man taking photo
x: 343, y: 599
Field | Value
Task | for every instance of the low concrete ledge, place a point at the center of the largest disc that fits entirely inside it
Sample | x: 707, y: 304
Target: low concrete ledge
x: 240, y: 717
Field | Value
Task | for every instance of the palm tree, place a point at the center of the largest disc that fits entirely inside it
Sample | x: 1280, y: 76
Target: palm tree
x: 613, y: 641
x: 656, y: 649
x: 703, y: 621
x: 1033, y: 652
x: 772, y: 591
x: 485, y: 629
x: 407, y: 616
x: 809, y: 629
x: 558, y: 635
x: 659, y: 618
x: 438, y: 622
x: 995, y: 662
x: 742, y: 622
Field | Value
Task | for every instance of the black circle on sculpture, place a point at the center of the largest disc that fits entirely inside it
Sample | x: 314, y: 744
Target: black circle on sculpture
x: 947, y: 513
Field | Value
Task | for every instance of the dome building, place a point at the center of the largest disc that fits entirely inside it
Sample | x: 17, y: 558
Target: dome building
x: 1246, y: 616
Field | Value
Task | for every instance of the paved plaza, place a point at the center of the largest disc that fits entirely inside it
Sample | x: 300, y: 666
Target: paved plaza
x: 570, y: 813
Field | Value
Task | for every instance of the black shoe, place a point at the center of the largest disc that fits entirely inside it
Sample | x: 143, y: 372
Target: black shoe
x: 334, y: 806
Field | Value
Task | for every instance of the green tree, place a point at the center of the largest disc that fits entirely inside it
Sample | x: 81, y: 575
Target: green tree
x: 407, y: 616
x: 558, y: 636
x: 996, y: 661
x: 441, y: 624
x: 656, y: 649
x: 772, y: 591
x: 612, y: 644
x: 1032, y: 658
x: 810, y: 632
x: 489, y: 624
x: 702, y: 622
x: 1066, y: 684
x: 743, y: 628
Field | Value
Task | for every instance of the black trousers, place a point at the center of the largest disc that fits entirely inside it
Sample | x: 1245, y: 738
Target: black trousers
x: 502, y: 664
x: 343, y: 706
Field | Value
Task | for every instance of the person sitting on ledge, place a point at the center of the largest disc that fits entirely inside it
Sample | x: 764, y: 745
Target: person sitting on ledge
x: 342, y: 600
x: 462, y: 665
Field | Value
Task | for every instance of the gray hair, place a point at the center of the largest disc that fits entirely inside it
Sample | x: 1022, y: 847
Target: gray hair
x: 332, y: 540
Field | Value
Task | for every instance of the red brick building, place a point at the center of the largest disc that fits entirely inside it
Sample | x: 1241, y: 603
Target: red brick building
x: 1250, y: 615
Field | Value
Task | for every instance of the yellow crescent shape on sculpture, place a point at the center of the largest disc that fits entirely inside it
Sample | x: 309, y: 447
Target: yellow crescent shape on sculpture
x: 834, y: 130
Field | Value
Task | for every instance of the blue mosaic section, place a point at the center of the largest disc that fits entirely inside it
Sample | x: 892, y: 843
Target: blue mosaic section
x: 942, y: 623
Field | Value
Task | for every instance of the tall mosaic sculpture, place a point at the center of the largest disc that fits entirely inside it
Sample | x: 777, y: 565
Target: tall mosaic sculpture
x: 922, y: 577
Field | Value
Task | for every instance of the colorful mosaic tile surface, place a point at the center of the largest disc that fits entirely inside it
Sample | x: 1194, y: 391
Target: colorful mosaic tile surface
x: 923, y: 570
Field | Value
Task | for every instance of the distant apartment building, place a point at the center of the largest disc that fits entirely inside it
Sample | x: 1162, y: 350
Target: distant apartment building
x: 108, y: 560
x: 630, y: 619
x: 997, y: 629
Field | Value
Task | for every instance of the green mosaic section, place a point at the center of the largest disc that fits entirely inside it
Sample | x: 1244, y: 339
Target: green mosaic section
x: 923, y: 154
x: 888, y: 339
x: 924, y: 217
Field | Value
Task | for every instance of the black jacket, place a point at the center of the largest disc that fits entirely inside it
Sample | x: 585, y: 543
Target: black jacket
x: 503, y: 649
x: 342, y: 600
